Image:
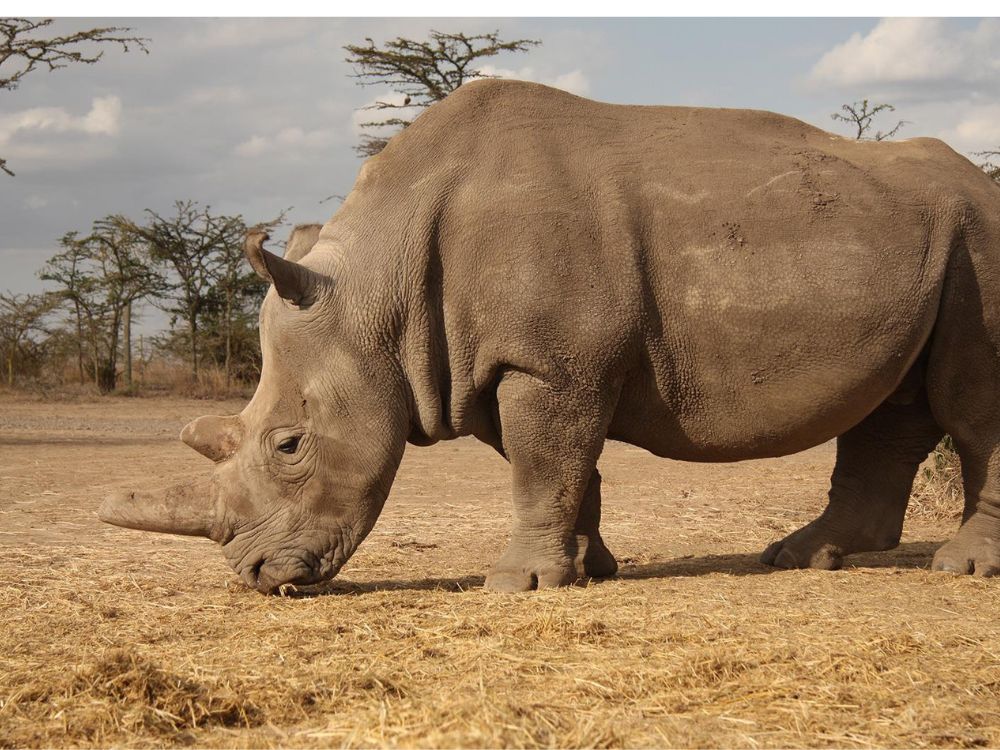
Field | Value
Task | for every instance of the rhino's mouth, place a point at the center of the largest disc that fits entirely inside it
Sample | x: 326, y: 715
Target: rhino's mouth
x: 303, y: 565
x: 270, y: 578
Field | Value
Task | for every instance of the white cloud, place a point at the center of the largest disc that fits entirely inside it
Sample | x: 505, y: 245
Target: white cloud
x: 978, y: 128
x: 289, y: 141
x: 35, y: 202
x: 216, y: 95
x: 104, y: 118
x: 245, y: 32
x: 575, y: 81
x: 913, y: 51
x: 253, y: 146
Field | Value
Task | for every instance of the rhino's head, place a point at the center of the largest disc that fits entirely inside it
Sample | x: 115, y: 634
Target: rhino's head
x: 301, y: 474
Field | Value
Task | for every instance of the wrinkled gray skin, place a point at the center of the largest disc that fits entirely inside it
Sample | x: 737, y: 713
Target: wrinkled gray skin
x: 545, y: 272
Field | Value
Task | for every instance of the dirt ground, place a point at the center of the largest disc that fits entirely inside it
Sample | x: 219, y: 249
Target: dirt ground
x: 110, y: 636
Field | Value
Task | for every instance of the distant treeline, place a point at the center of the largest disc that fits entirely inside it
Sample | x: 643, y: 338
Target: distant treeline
x: 189, y: 264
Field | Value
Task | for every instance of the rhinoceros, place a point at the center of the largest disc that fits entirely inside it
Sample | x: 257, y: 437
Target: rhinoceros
x: 545, y: 272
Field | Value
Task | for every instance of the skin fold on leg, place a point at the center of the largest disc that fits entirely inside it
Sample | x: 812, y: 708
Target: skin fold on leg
x: 976, y: 547
x: 964, y: 388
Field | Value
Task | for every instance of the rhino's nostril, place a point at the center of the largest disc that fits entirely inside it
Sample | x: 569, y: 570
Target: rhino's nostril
x: 251, y: 574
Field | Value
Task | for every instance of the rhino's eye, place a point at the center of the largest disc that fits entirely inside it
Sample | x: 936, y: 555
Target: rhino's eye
x: 289, y: 445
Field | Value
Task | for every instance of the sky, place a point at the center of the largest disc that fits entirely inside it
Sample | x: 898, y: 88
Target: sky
x: 255, y: 116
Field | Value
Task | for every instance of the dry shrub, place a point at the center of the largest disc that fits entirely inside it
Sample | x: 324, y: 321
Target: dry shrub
x: 937, y: 491
x: 157, y: 378
x: 175, y: 378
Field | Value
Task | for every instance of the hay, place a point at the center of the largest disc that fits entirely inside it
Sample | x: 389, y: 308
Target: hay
x: 114, y: 638
x: 156, y: 655
x: 937, y: 491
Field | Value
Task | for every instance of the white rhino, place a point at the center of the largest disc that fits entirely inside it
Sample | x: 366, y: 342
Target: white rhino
x: 545, y: 272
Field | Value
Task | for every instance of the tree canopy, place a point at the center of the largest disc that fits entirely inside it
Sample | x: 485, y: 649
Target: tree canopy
x: 420, y: 73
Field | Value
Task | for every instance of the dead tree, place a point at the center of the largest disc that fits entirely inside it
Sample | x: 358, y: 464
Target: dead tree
x: 860, y: 115
x: 421, y: 72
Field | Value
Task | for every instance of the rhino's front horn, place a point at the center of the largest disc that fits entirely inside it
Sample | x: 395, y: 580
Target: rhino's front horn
x: 293, y: 282
x: 182, y: 509
x: 216, y: 438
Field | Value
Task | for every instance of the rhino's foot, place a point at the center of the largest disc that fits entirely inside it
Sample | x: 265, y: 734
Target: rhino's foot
x: 974, y: 550
x: 792, y: 553
x: 523, y: 569
x: 597, y: 560
x: 822, y: 545
x: 529, y: 576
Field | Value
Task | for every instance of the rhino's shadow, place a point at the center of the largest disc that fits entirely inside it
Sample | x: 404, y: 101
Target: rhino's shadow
x: 341, y: 587
x: 909, y: 555
x: 906, y: 555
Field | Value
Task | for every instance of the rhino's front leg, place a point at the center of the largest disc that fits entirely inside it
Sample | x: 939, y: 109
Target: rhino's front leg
x: 598, y: 562
x: 552, y: 439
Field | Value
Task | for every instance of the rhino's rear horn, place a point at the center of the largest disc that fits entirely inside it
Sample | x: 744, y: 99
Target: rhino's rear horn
x: 293, y: 282
x: 216, y: 438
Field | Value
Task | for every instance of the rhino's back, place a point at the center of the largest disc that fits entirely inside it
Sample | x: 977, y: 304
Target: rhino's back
x: 757, y: 283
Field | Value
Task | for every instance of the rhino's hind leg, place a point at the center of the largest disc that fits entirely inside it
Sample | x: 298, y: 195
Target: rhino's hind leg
x: 552, y: 440
x: 877, y: 461
x: 963, y: 385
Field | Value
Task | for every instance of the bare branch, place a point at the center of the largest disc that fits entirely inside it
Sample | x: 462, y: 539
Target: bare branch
x: 29, y: 53
x: 22, y: 52
x: 860, y: 115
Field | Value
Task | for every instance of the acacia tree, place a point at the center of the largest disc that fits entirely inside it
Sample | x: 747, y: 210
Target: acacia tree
x: 23, y: 51
x: 204, y: 252
x: 422, y: 72
x: 127, y: 276
x: 860, y: 116
x: 102, y: 275
x: 67, y: 270
x: 22, y: 316
x: 235, y: 284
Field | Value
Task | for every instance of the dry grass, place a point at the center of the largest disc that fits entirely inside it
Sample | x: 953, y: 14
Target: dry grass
x: 175, y: 378
x: 165, y: 655
x: 157, y: 379
x: 937, y: 491
x: 109, y: 637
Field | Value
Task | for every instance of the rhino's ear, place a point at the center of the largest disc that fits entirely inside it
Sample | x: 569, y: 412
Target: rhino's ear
x: 293, y: 282
x: 301, y: 241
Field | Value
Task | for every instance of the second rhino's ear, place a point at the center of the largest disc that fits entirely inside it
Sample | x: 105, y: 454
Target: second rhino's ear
x: 293, y: 282
x: 216, y: 438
